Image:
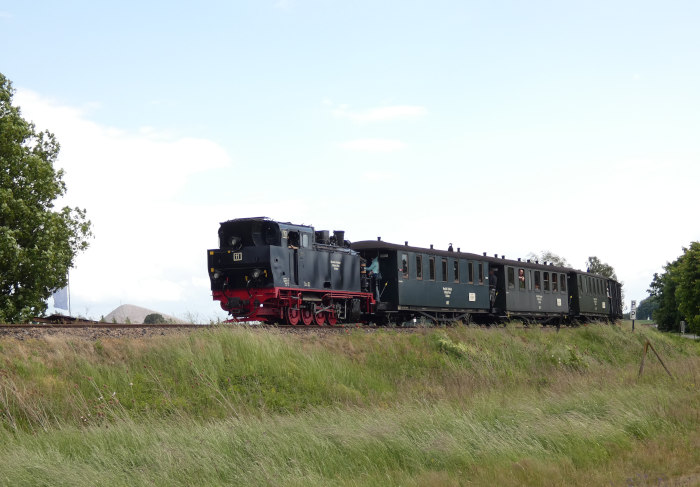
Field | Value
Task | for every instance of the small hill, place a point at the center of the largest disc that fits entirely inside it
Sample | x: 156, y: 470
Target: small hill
x: 134, y: 314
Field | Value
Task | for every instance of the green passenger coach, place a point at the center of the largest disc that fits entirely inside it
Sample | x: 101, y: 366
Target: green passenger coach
x: 437, y: 284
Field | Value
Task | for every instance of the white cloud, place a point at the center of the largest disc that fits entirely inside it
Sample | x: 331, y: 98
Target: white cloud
x: 380, y: 114
x: 147, y: 245
x: 373, y: 145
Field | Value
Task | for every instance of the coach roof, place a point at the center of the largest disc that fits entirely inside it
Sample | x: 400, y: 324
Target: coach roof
x: 380, y: 244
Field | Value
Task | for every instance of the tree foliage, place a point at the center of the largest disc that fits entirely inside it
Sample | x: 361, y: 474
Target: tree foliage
x: 677, y: 291
x: 549, y: 256
x: 646, y: 307
x: 596, y: 266
x: 154, y: 319
x: 38, y: 243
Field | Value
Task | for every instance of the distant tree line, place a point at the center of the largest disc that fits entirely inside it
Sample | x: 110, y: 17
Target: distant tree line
x: 675, y: 293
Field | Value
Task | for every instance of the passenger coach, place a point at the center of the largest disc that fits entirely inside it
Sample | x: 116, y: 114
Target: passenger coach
x: 440, y: 285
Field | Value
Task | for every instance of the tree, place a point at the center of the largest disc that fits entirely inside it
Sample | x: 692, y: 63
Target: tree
x: 548, y: 256
x: 38, y: 243
x: 688, y: 286
x: 646, y: 307
x: 154, y: 319
x: 677, y: 291
x: 596, y: 266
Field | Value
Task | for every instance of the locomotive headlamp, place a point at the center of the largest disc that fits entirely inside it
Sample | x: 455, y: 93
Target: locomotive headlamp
x: 256, y: 273
x: 235, y: 242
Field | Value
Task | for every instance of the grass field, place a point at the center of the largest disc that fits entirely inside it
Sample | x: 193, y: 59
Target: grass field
x: 443, y: 406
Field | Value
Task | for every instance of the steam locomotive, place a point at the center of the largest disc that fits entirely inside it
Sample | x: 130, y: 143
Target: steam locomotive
x: 277, y: 272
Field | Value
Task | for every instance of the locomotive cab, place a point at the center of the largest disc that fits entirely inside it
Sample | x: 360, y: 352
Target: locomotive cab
x: 236, y: 234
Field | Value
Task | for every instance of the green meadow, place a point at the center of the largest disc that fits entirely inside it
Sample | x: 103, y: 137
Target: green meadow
x: 433, y: 406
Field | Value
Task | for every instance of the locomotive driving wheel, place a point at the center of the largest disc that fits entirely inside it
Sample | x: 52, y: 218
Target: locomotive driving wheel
x: 320, y: 317
x: 331, y: 317
x: 293, y: 316
x: 307, y: 316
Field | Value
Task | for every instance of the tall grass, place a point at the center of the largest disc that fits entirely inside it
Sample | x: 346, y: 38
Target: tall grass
x: 438, y: 406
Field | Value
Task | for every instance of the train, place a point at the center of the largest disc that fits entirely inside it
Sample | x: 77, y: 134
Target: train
x: 282, y: 273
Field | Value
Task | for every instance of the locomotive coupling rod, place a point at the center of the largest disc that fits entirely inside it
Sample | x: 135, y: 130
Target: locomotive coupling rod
x: 644, y: 354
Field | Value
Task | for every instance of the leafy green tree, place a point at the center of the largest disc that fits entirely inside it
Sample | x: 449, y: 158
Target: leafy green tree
x: 663, y: 289
x: 154, y: 319
x: 38, y: 243
x: 596, y: 266
x: 549, y: 256
x: 688, y: 286
x: 646, y: 307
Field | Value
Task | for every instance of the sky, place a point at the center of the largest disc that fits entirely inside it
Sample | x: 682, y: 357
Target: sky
x: 505, y: 127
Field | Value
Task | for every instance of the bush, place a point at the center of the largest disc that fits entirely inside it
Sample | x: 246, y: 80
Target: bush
x: 154, y: 319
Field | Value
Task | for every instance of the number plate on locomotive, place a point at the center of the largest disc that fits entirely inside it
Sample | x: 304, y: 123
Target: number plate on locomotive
x: 237, y: 256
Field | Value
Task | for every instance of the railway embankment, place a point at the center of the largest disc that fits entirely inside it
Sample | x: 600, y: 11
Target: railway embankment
x: 437, y: 406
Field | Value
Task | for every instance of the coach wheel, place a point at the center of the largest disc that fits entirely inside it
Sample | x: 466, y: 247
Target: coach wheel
x: 331, y: 317
x: 320, y: 318
x: 293, y: 316
x: 307, y: 316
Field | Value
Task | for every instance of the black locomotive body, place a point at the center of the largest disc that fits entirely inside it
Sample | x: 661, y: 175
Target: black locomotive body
x: 280, y: 272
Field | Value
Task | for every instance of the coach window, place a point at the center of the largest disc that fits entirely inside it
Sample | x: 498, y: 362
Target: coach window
x: 521, y: 279
x: 305, y: 240
x: 562, y: 280
x: 444, y: 270
x: 555, y: 282
x: 404, y: 265
x: 470, y: 268
x: 529, y: 280
x: 481, y: 273
x: 546, y: 281
x: 537, y: 280
x: 511, y: 278
x: 419, y: 267
x: 431, y: 261
x: 456, y: 270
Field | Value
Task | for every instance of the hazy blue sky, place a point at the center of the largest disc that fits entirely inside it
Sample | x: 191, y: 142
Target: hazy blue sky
x: 501, y: 126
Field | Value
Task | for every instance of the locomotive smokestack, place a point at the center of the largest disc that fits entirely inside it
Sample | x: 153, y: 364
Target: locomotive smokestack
x: 379, y: 239
x: 406, y: 243
x: 339, y: 237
